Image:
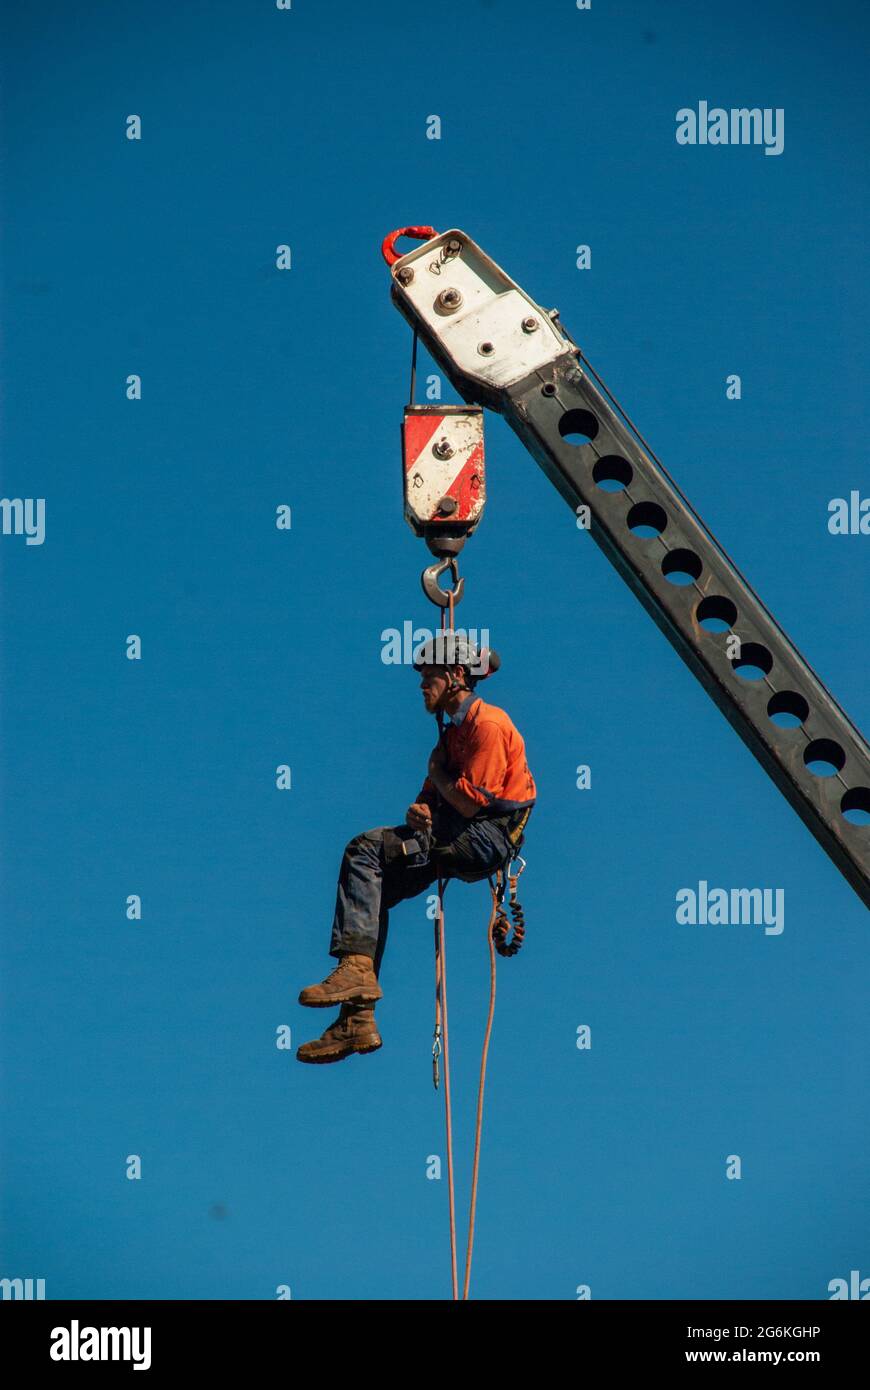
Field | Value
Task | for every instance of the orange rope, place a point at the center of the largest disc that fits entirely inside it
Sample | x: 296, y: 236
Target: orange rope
x: 480, y: 1087
x: 441, y: 1005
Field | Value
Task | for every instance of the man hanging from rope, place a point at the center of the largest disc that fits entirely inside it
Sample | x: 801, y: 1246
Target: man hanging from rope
x: 467, y: 822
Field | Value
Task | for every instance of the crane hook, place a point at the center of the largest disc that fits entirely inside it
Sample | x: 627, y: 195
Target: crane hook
x: 432, y: 589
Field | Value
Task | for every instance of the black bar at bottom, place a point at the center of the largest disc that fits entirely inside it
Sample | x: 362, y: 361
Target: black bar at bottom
x: 202, y: 1337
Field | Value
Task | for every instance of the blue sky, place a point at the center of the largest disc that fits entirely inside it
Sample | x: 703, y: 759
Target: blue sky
x: 262, y: 647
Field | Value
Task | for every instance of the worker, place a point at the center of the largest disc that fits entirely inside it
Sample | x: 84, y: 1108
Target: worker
x: 468, y: 821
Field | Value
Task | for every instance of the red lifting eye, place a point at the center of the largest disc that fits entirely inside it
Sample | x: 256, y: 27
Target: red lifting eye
x: 388, y: 251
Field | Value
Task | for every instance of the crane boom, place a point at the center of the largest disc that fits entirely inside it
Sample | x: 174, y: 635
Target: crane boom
x: 501, y: 350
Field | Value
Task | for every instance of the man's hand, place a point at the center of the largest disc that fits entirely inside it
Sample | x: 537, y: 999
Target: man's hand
x: 419, y: 816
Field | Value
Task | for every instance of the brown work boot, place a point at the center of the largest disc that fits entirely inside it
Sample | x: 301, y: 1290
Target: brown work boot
x: 353, y: 981
x: 354, y: 1030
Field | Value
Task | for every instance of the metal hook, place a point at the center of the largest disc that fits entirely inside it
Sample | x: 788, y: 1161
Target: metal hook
x: 432, y: 589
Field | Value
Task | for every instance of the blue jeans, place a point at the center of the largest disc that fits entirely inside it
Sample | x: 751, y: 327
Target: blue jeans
x: 374, y: 877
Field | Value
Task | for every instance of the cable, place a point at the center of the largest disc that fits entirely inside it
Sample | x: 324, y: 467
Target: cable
x: 480, y: 1089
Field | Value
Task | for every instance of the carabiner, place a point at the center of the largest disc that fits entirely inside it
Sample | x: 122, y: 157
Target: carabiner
x: 436, y: 1053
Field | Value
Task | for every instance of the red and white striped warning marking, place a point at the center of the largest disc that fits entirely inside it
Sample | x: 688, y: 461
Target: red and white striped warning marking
x: 444, y: 458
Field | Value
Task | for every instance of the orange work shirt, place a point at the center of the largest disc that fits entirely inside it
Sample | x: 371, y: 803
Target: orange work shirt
x: 485, y: 758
